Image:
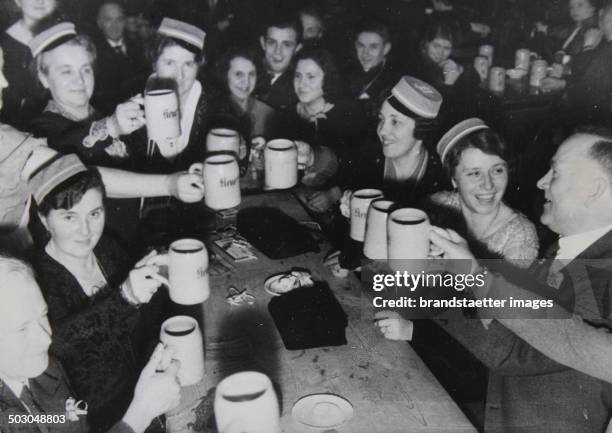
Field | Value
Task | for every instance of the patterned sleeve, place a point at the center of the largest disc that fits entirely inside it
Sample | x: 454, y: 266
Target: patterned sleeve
x: 522, y: 243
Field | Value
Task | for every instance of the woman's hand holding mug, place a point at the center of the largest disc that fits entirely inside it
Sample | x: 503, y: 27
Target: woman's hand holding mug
x: 451, y: 71
x: 306, y: 156
x: 144, y: 280
x: 129, y: 116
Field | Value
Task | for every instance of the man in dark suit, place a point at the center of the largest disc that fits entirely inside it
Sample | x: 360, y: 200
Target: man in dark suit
x: 280, y: 41
x: 120, y: 64
x: 35, y: 396
x: 529, y: 391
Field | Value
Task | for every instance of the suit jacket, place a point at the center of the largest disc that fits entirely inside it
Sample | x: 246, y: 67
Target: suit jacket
x: 118, y: 76
x: 50, y: 390
x: 527, y: 391
x: 280, y: 95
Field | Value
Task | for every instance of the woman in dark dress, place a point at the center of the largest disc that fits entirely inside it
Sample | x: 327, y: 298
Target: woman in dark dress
x: 178, y: 55
x: 65, y: 64
x: 404, y: 165
x: 91, y: 291
x: 24, y: 98
x: 322, y: 119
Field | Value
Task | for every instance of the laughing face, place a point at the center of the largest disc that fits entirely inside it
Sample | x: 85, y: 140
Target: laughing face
x: 481, y: 180
x: 568, y: 186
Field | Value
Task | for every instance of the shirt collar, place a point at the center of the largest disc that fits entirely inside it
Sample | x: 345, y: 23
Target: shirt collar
x: 114, y: 44
x: 14, y: 385
x: 571, y: 246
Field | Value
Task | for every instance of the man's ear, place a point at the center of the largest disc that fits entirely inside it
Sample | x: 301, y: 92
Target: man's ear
x: 262, y: 42
x: 387, y: 48
x: 43, y: 79
x: 601, y: 187
x: 298, y: 47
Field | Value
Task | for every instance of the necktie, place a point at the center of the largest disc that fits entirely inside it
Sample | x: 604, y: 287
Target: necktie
x: 27, y: 398
x: 119, y: 50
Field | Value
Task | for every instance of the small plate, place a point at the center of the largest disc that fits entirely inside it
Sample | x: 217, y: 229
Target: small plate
x: 322, y: 411
x: 273, y: 279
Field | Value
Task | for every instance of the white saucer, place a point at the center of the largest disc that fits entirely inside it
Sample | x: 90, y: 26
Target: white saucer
x: 273, y: 279
x: 322, y: 411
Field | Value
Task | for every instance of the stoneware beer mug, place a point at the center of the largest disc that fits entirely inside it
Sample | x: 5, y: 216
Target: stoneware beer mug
x: 188, y: 281
x: 246, y: 402
x: 408, y: 239
x: 221, y: 139
x: 375, y: 243
x: 522, y: 59
x: 183, y: 334
x: 360, y: 202
x: 162, y: 113
x: 281, y: 169
x: 221, y: 177
x: 539, y: 70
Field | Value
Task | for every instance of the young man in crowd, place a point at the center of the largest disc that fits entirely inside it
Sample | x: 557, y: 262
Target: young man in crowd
x: 280, y: 41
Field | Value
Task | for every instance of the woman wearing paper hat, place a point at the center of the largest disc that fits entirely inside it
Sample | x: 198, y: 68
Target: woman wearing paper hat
x: 477, y: 162
x: 20, y: 154
x: 65, y: 62
x: 402, y: 165
x: 92, y: 294
x: 177, y: 55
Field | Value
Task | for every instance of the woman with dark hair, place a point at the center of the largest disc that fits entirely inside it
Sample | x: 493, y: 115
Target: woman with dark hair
x: 322, y: 119
x: 92, y: 293
x: 477, y: 163
x: 238, y: 70
x: 402, y: 164
x: 178, y: 55
x: 435, y: 65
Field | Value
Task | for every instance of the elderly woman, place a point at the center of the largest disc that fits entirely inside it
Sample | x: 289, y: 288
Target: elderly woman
x: 21, y: 154
x: 65, y: 62
x: 238, y: 70
x: 24, y: 99
x: 92, y: 295
x: 178, y: 55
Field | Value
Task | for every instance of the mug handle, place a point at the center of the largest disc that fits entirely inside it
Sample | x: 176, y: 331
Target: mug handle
x: 197, y: 168
x: 159, y: 260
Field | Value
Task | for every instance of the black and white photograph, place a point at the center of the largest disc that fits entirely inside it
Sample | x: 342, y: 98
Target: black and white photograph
x: 301, y: 216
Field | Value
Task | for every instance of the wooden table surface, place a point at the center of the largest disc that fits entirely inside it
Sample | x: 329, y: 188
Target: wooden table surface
x: 390, y: 388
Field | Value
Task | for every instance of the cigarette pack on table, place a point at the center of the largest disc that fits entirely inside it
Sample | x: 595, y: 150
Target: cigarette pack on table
x: 226, y: 217
x: 237, y: 248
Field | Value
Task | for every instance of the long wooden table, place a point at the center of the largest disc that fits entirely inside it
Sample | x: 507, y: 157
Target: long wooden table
x: 390, y: 388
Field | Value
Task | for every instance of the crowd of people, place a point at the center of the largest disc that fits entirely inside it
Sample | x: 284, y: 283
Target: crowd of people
x: 375, y: 95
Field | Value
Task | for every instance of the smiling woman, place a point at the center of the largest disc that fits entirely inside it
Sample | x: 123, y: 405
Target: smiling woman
x: 91, y: 293
x: 476, y: 160
x: 64, y: 61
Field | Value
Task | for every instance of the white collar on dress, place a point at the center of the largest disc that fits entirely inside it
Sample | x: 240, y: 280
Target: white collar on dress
x: 20, y: 33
